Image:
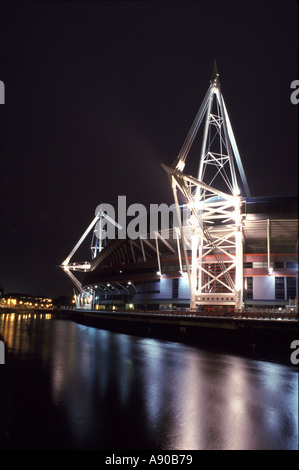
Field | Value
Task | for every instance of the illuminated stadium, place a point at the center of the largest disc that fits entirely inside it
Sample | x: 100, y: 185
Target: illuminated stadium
x: 221, y: 249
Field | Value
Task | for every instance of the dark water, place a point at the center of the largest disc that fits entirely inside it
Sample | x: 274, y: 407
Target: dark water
x: 68, y: 386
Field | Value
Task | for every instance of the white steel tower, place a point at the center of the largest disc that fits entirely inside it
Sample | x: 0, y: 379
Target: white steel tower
x: 212, y: 241
x: 96, y: 247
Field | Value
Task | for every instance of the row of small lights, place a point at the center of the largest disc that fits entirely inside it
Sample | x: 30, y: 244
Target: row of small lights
x: 14, y: 302
x: 183, y: 274
x: 25, y: 316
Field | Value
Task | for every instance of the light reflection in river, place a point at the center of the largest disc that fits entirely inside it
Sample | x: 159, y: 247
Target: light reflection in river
x: 114, y: 391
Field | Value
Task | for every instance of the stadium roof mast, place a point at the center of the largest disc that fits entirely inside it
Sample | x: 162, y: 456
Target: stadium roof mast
x: 215, y: 203
x: 96, y: 247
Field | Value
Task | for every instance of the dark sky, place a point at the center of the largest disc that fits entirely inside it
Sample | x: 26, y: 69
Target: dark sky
x: 99, y: 94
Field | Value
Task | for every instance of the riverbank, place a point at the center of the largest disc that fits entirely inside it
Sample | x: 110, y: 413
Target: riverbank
x: 262, y: 337
x: 28, y: 311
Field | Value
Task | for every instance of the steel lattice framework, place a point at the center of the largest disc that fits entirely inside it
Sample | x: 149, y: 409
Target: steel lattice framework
x: 214, y: 231
x: 210, y: 243
x: 96, y: 247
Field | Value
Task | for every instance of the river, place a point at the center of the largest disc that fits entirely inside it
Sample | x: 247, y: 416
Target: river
x: 69, y: 386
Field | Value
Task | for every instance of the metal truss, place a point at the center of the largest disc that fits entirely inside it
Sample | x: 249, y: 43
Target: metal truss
x: 213, y: 233
x: 96, y: 247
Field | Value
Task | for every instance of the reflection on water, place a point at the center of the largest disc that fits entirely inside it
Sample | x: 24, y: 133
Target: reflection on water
x: 65, y: 385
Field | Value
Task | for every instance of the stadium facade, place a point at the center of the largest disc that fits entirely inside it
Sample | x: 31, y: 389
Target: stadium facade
x: 126, y: 273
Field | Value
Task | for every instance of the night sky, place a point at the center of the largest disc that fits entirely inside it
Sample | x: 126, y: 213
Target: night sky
x: 99, y: 94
